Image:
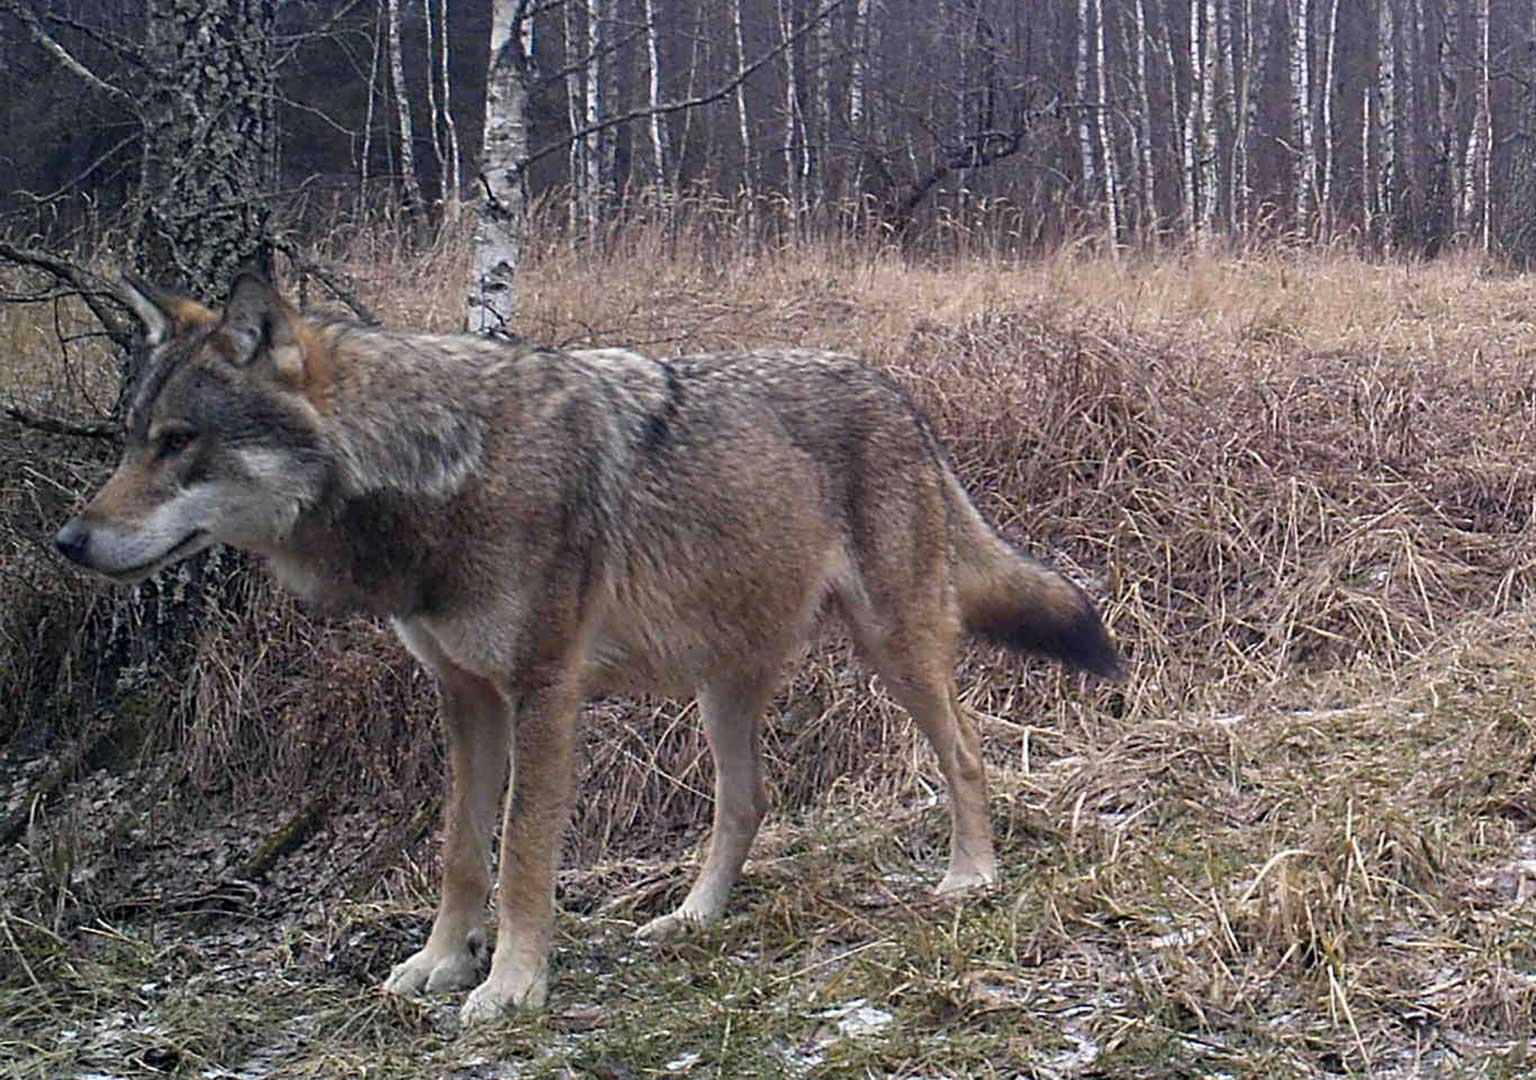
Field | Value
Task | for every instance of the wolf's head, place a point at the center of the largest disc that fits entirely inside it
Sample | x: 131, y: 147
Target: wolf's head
x: 222, y: 435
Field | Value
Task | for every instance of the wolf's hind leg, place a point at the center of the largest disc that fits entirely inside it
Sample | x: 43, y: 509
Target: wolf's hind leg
x: 732, y: 718
x: 475, y: 719
x: 932, y: 703
x: 915, y: 659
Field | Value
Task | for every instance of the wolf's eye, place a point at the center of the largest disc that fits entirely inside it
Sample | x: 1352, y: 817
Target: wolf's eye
x: 174, y: 442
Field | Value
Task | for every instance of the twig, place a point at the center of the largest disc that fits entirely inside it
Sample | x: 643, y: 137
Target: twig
x: 343, y: 292
x: 97, y: 429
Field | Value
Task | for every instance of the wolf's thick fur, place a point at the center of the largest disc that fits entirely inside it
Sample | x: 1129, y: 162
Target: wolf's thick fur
x: 542, y: 527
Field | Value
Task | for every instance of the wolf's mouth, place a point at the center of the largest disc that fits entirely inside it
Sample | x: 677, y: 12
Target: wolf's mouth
x: 183, y: 547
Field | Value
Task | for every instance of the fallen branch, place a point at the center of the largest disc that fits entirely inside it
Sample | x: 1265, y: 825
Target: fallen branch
x: 288, y: 838
x: 96, y: 429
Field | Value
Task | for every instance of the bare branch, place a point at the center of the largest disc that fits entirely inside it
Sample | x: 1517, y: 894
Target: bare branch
x: 330, y: 278
x: 92, y: 289
x: 707, y: 98
x: 49, y: 45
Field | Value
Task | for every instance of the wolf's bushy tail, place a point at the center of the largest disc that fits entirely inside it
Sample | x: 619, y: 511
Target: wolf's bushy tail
x: 1009, y: 598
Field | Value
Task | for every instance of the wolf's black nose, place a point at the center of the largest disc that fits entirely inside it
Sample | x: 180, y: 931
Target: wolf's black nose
x: 72, y: 540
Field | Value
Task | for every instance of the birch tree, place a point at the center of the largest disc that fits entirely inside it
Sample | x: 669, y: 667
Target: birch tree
x: 1146, y: 167
x: 445, y: 138
x: 743, y: 120
x: 1477, y: 166
x: 1441, y: 222
x: 858, y: 75
x: 1381, y: 143
x: 1192, y: 125
x: 1330, y: 134
x: 1258, y: 19
x: 1209, y: 166
x: 1106, y: 133
x: 1085, y: 95
x: 500, y: 210
x: 1303, y: 146
x: 660, y: 166
x: 410, y: 186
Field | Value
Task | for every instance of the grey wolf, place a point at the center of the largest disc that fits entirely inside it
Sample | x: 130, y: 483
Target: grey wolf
x: 545, y: 526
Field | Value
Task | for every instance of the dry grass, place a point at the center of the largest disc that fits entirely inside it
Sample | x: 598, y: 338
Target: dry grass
x: 1298, y: 840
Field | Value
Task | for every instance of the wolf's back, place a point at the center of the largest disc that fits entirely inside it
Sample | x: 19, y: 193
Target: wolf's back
x: 1009, y: 598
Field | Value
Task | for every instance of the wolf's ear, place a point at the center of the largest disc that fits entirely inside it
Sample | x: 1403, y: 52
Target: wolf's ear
x: 258, y: 320
x: 164, y: 314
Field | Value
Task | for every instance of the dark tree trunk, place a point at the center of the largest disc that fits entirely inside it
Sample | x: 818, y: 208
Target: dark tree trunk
x: 207, y: 141
x: 208, y: 145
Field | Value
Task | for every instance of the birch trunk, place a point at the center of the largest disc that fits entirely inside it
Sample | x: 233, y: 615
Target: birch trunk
x: 1330, y: 147
x: 789, y: 147
x: 1384, y: 182
x: 434, y: 110
x: 500, y: 213
x: 1084, y: 96
x: 1303, y: 145
x: 1145, y: 163
x: 454, y: 193
x: 577, y: 74
x: 1442, y: 223
x: 1209, y: 67
x: 593, y: 155
x: 1106, y: 134
x: 743, y: 121
x: 660, y: 167
x: 858, y: 74
x: 1192, y: 192
x: 1475, y: 166
x: 410, y: 187
x: 1227, y: 77
x: 373, y: 81
x: 1259, y: 20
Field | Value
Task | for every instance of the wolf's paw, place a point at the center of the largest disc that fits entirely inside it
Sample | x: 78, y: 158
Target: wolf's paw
x: 958, y: 882
x: 501, y: 994
x: 667, y: 927
x: 436, y: 971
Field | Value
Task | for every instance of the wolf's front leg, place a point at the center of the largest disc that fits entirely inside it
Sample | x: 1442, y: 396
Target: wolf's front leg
x: 538, y: 808
x: 475, y: 721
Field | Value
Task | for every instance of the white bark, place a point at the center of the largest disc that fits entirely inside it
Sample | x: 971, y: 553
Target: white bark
x: 1085, y: 118
x: 451, y: 192
x: 434, y: 110
x: 1475, y: 165
x: 1145, y: 165
x: 1383, y: 181
x: 1106, y: 135
x: 592, y: 154
x: 1192, y: 193
x: 373, y: 81
x: 790, y: 147
x: 500, y: 211
x: 743, y: 120
x: 1330, y: 148
x: 858, y: 65
x: 1209, y: 172
x: 410, y: 187
x: 659, y: 154
x: 1259, y: 20
x: 1304, y: 146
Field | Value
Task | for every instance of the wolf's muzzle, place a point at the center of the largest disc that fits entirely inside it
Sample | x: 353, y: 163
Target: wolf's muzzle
x: 72, y: 540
